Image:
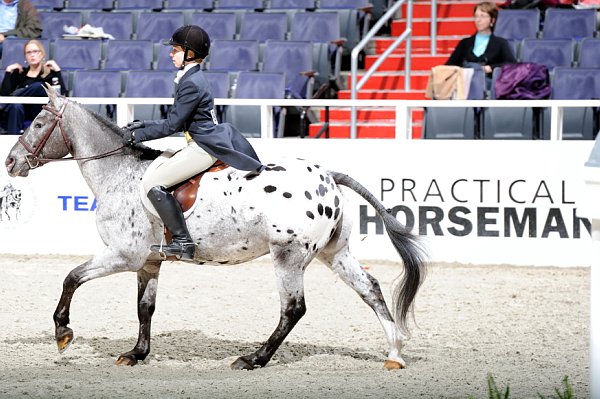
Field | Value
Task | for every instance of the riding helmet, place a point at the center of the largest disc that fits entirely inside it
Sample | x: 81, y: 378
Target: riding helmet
x: 191, y: 37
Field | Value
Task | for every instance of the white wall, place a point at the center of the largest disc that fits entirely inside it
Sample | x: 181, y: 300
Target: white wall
x: 468, y: 191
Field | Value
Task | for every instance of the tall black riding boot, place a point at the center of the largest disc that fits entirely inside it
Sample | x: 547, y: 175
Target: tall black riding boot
x: 170, y: 212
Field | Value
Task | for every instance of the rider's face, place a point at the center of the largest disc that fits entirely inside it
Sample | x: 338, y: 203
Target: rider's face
x: 177, y: 56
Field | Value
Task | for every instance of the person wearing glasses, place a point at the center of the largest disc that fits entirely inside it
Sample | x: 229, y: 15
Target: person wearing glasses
x: 19, y: 18
x: 27, y: 81
x: 207, y: 141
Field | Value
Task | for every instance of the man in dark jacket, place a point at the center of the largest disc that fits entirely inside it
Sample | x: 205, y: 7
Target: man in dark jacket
x: 19, y: 18
x: 193, y: 113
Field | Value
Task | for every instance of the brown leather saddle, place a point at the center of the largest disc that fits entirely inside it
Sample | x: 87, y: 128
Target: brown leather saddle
x: 186, y: 191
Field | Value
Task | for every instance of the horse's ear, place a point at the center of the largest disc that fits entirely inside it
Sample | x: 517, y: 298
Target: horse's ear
x: 50, y: 92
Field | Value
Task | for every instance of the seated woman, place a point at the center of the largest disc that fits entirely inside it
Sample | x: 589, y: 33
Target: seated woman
x: 483, y: 50
x: 27, y: 82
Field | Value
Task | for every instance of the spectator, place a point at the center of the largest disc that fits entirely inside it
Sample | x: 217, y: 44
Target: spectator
x: 19, y: 18
x: 483, y: 50
x: 27, y: 82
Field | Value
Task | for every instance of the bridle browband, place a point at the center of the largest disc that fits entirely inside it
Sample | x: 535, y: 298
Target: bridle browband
x: 33, y: 159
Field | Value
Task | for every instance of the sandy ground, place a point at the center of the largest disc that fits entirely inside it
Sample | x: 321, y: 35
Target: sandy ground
x: 529, y: 327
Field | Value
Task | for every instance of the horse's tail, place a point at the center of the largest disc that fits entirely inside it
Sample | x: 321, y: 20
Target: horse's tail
x: 408, y: 246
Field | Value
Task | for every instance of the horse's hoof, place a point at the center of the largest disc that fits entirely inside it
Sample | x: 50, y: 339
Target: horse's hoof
x: 125, y: 361
x: 241, y: 364
x: 64, y: 340
x: 393, y: 365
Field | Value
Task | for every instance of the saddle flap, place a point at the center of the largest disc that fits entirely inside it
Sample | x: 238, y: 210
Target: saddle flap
x: 186, y: 192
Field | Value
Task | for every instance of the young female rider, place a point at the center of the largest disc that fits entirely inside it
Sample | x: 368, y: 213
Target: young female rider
x: 193, y: 113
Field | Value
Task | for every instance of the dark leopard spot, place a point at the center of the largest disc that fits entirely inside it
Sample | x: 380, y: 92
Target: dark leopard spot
x: 270, y: 189
x: 328, y: 212
x: 287, y: 195
x: 307, y: 194
x: 336, y: 201
x: 310, y: 214
x: 320, y: 209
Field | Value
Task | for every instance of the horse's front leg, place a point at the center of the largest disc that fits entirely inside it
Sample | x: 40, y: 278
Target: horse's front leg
x: 96, y: 267
x: 147, y: 286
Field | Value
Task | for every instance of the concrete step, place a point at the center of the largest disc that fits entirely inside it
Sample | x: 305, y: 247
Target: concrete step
x: 370, y: 114
x: 391, y: 81
x: 384, y: 95
x: 445, y: 9
x: 419, y: 45
x: 418, y: 62
x: 363, y: 131
x: 448, y: 27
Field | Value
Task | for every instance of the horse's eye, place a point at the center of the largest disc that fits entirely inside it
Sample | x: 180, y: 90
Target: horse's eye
x: 38, y: 125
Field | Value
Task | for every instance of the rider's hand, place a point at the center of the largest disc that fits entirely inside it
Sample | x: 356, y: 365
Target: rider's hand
x: 129, y: 136
x: 135, y: 125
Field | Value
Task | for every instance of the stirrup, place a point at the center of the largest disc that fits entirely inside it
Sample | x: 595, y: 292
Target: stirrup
x: 183, y: 251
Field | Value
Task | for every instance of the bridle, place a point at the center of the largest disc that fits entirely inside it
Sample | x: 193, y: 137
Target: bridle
x: 33, y: 159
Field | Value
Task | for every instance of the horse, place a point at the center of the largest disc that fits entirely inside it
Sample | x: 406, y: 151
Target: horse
x: 292, y: 210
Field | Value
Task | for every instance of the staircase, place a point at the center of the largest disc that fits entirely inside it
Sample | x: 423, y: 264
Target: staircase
x: 454, y: 21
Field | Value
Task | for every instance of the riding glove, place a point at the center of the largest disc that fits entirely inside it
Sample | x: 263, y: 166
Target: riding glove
x: 135, y: 125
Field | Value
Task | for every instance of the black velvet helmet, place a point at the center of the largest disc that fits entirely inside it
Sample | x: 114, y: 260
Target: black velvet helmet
x: 191, y: 37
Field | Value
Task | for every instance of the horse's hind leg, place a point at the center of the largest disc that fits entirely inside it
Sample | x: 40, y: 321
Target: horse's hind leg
x: 289, y: 271
x: 344, y: 264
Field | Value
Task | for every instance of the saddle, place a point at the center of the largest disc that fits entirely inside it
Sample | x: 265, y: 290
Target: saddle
x: 186, y: 192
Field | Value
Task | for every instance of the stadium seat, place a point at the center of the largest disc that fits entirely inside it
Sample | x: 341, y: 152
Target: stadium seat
x: 97, y: 84
x: 330, y: 4
x: 549, y: 52
x: 162, y: 59
x: 518, y: 24
x: 117, y: 24
x: 569, y: 24
x: 233, y: 55
x: 240, y: 4
x: 156, y: 5
x: 206, y: 5
x: 449, y: 123
x: 13, y: 50
x: 577, y: 84
x: 129, y: 54
x: 292, y: 4
x: 295, y: 60
x: 48, y: 5
x: 218, y: 25
x: 53, y: 22
x: 105, y: 5
x: 158, y: 26
x: 77, y: 54
x: 256, y: 85
x: 477, y: 88
x: 589, y: 53
x: 263, y: 26
x: 149, y: 84
x: 219, y: 83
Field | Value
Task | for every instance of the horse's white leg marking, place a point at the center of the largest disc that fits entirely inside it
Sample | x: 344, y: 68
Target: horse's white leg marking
x: 339, y: 259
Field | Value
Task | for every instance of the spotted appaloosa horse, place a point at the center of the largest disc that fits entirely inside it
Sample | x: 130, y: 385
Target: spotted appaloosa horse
x: 293, y: 210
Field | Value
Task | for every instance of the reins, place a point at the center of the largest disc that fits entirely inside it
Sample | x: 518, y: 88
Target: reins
x: 33, y: 159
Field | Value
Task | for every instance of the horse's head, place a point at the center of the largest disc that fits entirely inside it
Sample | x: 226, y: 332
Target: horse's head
x: 44, y: 139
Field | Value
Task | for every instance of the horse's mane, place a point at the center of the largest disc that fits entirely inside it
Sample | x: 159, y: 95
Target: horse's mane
x: 143, y: 152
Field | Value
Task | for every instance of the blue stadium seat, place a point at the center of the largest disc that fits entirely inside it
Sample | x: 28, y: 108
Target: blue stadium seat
x: 117, y: 24
x: 158, y: 26
x: 13, y: 50
x: 549, y: 52
x: 449, y: 123
x: 218, y: 25
x: 589, y: 53
x: 576, y: 84
x: 233, y: 55
x: 292, y: 4
x: 97, y: 84
x: 105, y: 5
x: 219, y: 83
x: 263, y: 26
x: 129, y: 54
x: 149, y: 84
x: 256, y: 85
x: 240, y: 4
x: 189, y: 5
x: 48, y: 5
x: 139, y: 4
x: 53, y: 22
x: 77, y: 54
x: 569, y: 24
x: 329, y: 4
x: 162, y: 58
x: 518, y: 24
x: 477, y: 88
x: 295, y: 60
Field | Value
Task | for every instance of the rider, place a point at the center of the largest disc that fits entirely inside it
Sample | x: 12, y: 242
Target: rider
x: 207, y: 141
